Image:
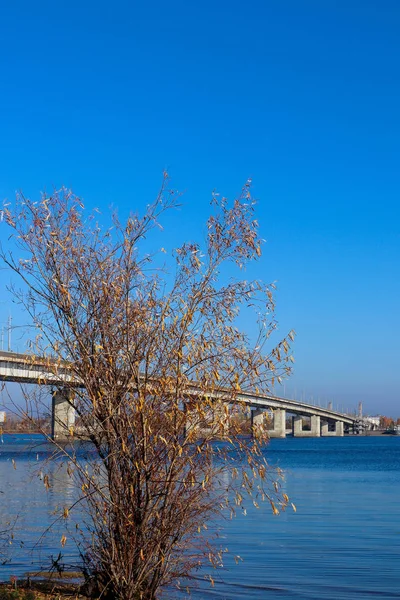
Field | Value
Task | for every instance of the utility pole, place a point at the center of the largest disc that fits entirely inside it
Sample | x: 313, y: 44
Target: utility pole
x: 9, y: 333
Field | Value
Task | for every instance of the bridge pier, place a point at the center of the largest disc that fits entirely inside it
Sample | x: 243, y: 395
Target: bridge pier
x: 339, y: 428
x: 257, y: 420
x: 324, y: 428
x: 279, y: 421
x: 338, y: 431
x: 298, y: 426
x: 315, y: 426
x: 220, y: 419
x: 279, y: 429
x: 62, y: 414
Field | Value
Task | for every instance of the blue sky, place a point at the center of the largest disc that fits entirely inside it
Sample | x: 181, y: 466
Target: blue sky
x: 301, y: 96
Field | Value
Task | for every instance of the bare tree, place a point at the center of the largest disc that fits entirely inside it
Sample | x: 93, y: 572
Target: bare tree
x: 158, y: 367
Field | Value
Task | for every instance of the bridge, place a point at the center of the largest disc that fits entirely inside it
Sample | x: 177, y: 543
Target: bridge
x: 23, y: 368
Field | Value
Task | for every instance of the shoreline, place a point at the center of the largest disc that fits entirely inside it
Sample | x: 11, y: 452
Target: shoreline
x: 51, y: 588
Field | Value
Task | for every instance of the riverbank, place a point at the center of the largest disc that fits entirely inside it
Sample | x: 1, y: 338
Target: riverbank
x: 41, y: 590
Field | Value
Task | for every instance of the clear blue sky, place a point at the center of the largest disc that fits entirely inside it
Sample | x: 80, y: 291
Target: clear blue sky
x: 302, y: 96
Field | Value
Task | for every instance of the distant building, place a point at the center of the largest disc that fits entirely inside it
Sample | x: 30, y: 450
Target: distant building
x: 2, y: 416
x: 373, y: 421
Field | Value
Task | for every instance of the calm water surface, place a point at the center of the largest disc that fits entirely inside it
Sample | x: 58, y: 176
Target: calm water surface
x: 342, y: 543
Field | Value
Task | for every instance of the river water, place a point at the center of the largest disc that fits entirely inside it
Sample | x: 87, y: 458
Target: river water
x: 342, y: 543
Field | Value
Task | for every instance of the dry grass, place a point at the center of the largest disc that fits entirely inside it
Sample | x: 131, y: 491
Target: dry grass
x: 46, y: 589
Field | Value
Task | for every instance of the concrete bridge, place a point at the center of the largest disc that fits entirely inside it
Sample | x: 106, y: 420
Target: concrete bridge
x: 23, y: 368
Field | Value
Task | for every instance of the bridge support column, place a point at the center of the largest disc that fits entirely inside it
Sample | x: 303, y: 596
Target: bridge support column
x: 324, y: 428
x: 315, y: 430
x: 257, y: 420
x: 339, y: 428
x: 279, y: 429
x: 63, y: 414
x: 315, y: 426
x: 297, y: 426
x: 220, y: 419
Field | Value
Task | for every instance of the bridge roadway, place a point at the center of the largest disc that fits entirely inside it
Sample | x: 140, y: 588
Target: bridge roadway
x: 24, y: 368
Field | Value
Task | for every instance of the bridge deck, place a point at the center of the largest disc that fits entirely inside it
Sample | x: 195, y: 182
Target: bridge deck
x: 23, y: 368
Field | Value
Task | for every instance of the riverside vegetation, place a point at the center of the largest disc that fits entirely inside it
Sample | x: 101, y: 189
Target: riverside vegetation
x: 159, y: 357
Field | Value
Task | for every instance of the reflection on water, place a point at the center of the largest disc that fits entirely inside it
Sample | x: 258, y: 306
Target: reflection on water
x: 343, y: 542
